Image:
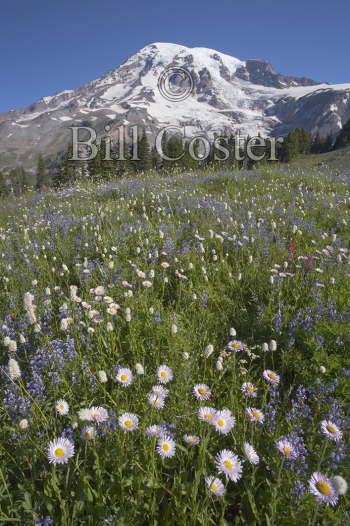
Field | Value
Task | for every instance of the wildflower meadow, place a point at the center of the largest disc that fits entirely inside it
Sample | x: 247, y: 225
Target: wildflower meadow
x: 175, y: 351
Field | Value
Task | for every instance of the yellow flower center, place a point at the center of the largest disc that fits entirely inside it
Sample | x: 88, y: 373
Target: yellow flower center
x: 214, y: 487
x: 165, y: 447
x: 59, y: 452
x: 287, y: 451
x: 128, y: 423
x: 208, y: 416
x: 256, y: 414
x: 250, y: 388
x: 221, y: 423
x: 123, y: 377
x: 202, y: 391
x: 190, y: 439
x: 87, y: 434
x: 61, y: 406
x: 235, y: 345
x: 323, y: 488
x: 163, y: 374
x: 331, y: 429
x: 228, y: 464
x: 95, y: 415
x: 273, y: 376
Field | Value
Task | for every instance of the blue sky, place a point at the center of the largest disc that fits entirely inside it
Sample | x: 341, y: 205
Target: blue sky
x: 50, y: 46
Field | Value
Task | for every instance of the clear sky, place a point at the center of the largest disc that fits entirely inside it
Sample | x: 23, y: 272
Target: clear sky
x: 48, y: 46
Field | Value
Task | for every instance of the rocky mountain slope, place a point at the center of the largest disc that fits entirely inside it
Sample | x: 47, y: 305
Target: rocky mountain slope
x: 226, y: 95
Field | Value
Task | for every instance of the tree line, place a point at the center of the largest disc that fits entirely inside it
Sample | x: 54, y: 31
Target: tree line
x: 62, y: 170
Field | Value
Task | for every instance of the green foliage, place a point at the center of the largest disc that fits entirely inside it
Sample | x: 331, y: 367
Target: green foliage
x: 343, y: 138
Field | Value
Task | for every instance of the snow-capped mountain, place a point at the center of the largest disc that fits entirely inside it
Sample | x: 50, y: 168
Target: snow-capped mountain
x: 228, y: 95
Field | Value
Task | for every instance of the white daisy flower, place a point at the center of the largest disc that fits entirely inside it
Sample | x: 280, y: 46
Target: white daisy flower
x: 124, y: 376
x: 156, y: 401
x: 271, y: 376
x: 224, y: 421
x: 159, y: 390
x: 88, y: 433
x: 193, y: 440
x: 147, y: 284
x: 112, y: 311
x: 207, y: 414
x: 98, y: 414
x: 331, y: 430
x: 229, y: 464
x: 99, y: 291
x: 249, y: 389
x: 287, y: 449
x: 128, y: 421
x: 215, y: 486
x: 164, y: 374
x: 255, y: 415
x: 62, y: 407
x: 108, y: 299
x: 166, y: 446
x: 60, y: 451
x: 154, y: 431
x: 322, y: 488
x: 250, y: 453
x: 202, y: 391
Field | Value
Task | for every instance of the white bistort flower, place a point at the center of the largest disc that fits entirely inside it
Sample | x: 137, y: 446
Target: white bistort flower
x: 102, y: 376
x: 23, y: 424
x: 139, y: 368
x: 14, y: 369
x: 340, y: 484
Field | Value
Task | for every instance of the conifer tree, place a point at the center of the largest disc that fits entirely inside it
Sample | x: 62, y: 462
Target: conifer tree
x: 145, y: 162
x: 343, y: 138
x: 41, y: 173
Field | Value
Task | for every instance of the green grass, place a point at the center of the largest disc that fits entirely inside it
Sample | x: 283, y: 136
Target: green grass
x: 222, y: 234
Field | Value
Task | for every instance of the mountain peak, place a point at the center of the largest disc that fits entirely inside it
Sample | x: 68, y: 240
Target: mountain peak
x: 227, y: 96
